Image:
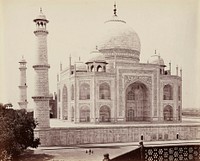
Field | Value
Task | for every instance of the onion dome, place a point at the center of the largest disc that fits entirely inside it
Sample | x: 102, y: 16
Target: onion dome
x: 80, y: 67
x: 118, y: 37
x: 97, y: 57
x: 156, y: 59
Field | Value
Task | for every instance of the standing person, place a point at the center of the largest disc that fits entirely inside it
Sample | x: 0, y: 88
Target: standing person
x: 106, y: 157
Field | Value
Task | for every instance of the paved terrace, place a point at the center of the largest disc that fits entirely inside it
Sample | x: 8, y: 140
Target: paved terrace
x: 56, y: 123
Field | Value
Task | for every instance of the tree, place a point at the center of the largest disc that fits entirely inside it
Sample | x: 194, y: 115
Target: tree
x: 16, y: 132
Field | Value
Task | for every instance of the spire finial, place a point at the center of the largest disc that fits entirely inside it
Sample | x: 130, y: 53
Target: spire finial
x: 40, y: 9
x: 155, y: 52
x: 115, y: 9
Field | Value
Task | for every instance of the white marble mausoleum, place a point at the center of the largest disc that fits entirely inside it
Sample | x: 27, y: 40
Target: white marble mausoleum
x: 114, y: 86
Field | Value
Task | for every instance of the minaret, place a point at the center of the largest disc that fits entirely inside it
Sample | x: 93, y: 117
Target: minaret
x: 41, y: 97
x: 23, y: 86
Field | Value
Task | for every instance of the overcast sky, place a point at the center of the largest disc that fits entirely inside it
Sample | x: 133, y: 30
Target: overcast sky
x: 169, y: 26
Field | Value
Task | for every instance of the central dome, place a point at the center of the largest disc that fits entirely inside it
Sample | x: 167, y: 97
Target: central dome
x: 119, y: 41
x: 118, y: 35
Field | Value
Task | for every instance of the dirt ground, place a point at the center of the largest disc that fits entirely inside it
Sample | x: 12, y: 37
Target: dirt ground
x: 74, y: 153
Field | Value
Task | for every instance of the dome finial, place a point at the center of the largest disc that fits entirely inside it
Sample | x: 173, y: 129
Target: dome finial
x: 115, y: 9
x: 96, y: 47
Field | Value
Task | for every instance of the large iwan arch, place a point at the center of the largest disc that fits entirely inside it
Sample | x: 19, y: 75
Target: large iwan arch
x: 137, y: 102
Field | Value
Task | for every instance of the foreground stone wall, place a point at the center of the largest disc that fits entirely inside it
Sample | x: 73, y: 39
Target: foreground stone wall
x: 115, y: 134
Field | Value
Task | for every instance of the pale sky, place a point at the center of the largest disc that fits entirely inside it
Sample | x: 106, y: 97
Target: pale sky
x: 169, y: 26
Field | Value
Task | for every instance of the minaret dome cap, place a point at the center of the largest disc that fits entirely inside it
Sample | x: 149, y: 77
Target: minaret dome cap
x: 22, y: 60
x: 41, y: 17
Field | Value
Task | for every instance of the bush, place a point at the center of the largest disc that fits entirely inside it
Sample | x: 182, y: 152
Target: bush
x: 16, y: 132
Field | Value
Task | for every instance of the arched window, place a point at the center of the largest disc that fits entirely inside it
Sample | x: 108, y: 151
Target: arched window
x: 104, y: 68
x: 104, y: 91
x: 72, y: 113
x: 104, y: 114
x: 179, y: 113
x: 64, y: 103
x: 168, y: 92
x: 84, y: 91
x: 131, y: 95
x: 84, y: 114
x: 41, y: 23
x: 72, y: 92
x: 179, y: 93
x: 99, y: 69
x: 59, y: 95
x: 168, y: 113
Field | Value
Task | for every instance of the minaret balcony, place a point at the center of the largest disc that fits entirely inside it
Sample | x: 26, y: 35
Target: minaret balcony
x: 24, y: 86
x: 41, y: 98
x: 41, y: 31
x: 41, y: 66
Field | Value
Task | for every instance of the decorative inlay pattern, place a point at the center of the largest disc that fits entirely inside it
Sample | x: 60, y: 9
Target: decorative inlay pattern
x: 132, y: 78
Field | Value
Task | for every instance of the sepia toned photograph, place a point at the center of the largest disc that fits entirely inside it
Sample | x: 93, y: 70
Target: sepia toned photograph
x: 91, y: 80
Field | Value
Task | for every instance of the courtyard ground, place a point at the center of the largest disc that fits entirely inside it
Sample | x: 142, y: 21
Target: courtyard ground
x: 78, y: 152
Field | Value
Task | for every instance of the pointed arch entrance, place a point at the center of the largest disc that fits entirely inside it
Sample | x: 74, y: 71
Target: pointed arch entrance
x: 168, y: 113
x: 137, y: 102
x: 104, y: 114
x: 84, y: 114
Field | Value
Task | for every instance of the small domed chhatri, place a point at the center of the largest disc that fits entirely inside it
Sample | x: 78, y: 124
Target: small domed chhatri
x: 41, y: 16
x: 23, y: 60
x: 156, y: 59
x: 96, y: 56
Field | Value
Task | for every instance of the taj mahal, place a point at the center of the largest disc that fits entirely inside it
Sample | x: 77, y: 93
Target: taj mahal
x: 113, y: 86
x: 112, y: 97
